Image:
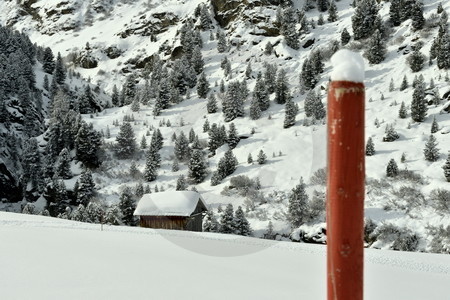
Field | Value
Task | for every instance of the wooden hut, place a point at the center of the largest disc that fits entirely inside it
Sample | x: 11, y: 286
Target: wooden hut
x: 180, y: 210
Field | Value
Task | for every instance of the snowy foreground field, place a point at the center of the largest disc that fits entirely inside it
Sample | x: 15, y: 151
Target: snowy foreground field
x: 47, y: 258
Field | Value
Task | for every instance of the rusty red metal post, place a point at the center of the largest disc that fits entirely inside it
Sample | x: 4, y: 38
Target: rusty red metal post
x: 345, y: 190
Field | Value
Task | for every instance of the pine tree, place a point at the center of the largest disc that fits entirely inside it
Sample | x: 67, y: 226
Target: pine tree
x: 181, y: 147
x: 262, y: 157
x: 86, y: 188
x: 269, y: 234
x: 210, y: 223
x: 87, y: 101
x: 227, y: 222
x: 129, y: 90
x: 345, y: 37
x: 248, y: 71
x: 133, y: 171
x: 255, y: 110
x: 431, y: 151
x: 127, y: 205
x: 221, y: 43
x: 227, y: 164
x: 402, y: 113
x: 62, y: 167
x: 126, y: 142
x: 363, y: 20
x: 32, y: 165
x: 418, y: 104
x: 260, y: 93
x: 197, y: 60
x: 376, y: 50
x: 175, y: 166
x: 233, y: 138
x: 370, y: 148
x: 197, y: 167
x: 115, y: 96
x: 418, y: 21
x: 233, y: 104
x: 288, y: 28
x: 391, y: 134
x: 290, y: 113
x: 151, y: 166
x: 211, y: 105
x: 298, y: 205
x: 202, y: 86
x: 139, y: 190
x: 434, y: 126
x: 416, y: 60
x: 268, y: 49
x: 392, y: 168
x: 443, y: 53
x: 48, y: 63
x: 404, y: 84
x: 270, y: 77
x: 241, y: 226
x: 60, y: 70
x: 391, y: 85
x: 206, y: 126
x: 135, y: 106
x: 394, y: 12
x: 318, y: 108
x: 281, y: 88
x: 446, y: 168
x: 320, y: 20
x: 143, y: 143
x: 181, y: 183
x: 250, y: 158
x: 332, y: 12
x: 88, y: 143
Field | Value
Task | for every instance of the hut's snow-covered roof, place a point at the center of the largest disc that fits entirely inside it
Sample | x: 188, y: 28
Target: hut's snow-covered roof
x: 171, y: 203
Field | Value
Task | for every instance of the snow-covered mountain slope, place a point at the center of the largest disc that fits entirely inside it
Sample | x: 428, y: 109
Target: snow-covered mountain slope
x: 81, y: 261
x: 119, y: 37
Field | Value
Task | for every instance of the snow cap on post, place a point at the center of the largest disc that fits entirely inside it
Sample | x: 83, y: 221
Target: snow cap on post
x: 347, y: 66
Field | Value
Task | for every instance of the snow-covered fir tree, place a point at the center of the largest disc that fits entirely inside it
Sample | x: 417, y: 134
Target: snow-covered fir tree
x: 127, y: 205
x: 370, y: 148
x: 262, y: 157
x: 227, y: 222
x: 62, y: 167
x: 281, y: 89
x: 202, y: 86
x: 298, y: 205
x: 233, y: 138
x: 363, y: 20
x: 290, y: 112
x: 288, y: 30
x: 211, y: 105
x: 402, y: 112
x: 392, y: 168
x: 431, y: 152
x: 446, y: 168
x: 197, y: 167
x: 126, y: 141
x: 210, y: 223
x: 85, y: 190
x: 181, y: 183
x: 241, y: 224
x: 376, y: 49
x: 418, y: 104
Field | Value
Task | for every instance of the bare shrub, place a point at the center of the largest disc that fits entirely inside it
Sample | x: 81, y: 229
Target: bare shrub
x: 317, y: 205
x: 319, y: 177
x: 402, y: 239
x: 440, y: 242
x: 411, y: 195
x: 369, y: 228
x: 440, y: 200
x: 410, y: 176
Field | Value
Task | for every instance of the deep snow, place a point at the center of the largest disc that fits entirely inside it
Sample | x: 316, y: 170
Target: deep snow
x: 47, y: 258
